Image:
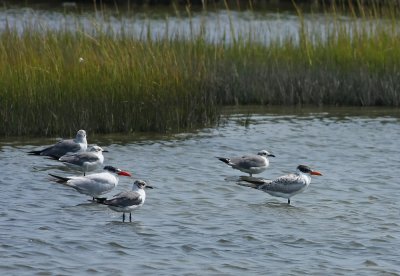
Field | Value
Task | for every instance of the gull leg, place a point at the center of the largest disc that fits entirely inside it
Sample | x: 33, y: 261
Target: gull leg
x: 130, y: 217
x: 288, y: 201
x: 123, y: 217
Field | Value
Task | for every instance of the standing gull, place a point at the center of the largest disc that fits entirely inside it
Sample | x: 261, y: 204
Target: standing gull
x: 93, y: 185
x: 86, y: 161
x: 64, y: 146
x: 284, y: 186
x: 128, y: 201
x: 251, y: 164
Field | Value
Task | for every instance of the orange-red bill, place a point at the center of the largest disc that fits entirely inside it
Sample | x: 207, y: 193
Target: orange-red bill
x: 123, y: 173
x: 315, y: 173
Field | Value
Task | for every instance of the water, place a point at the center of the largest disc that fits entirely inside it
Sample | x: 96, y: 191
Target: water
x: 197, y: 223
x: 215, y: 25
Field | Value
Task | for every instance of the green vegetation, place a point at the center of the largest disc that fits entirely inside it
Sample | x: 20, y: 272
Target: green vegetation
x: 125, y: 84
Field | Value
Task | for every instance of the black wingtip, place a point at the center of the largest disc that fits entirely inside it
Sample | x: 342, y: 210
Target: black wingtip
x: 52, y: 157
x: 60, y: 179
x: 223, y: 159
x: 34, y: 152
x: 251, y: 182
x: 100, y: 200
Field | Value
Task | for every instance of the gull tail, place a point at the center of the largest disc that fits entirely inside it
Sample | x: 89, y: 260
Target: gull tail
x: 60, y: 179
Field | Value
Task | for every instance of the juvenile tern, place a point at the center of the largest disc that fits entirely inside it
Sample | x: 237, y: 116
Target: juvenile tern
x: 284, y: 186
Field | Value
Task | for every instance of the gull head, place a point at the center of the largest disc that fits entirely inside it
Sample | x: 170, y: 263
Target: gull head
x: 265, y: 153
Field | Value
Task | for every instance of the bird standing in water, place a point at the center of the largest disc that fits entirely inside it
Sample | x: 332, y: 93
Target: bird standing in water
x: 285, y: 186
x: 251, y: 164
x: 63, y: 147
x: 86, y: 161
x: 128, y: 201
x: 96, y: 184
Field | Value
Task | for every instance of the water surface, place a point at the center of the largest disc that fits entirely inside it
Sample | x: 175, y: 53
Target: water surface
x: 197, y: 223
x: 216, y: 25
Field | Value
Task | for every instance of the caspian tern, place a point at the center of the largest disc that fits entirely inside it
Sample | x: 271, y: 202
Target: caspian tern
x: 128, y: 201
x: 251, y: 164
x: 285, y: 186
x: 96, y: 184
x: 86, y: 161
x: 64, y: 146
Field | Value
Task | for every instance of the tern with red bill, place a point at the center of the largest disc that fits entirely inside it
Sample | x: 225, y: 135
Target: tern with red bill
x: 127, y: 201
x: 284, y: 186
x: 96, y: 184
x: 251, y: 164
x: 63, y: 147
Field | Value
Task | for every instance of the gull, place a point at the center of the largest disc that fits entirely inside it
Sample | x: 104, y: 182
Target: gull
x: 251, y: 164
x: 96, y: 184
x: 86, y: 161
x: 64, y: 146
x: 128, y: 201
x: 284, y: 186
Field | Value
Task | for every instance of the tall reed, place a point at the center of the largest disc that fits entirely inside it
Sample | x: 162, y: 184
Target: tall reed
x: 55, y: 82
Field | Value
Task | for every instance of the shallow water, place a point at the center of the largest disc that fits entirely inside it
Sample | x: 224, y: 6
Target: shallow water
x: 215, y: 25
x: 197, y: 223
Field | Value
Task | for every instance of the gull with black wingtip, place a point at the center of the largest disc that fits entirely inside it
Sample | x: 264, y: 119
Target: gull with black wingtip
x: 251, y: 164
x: 63, y: 147
x: 128, y: 201
x: 86, y: 161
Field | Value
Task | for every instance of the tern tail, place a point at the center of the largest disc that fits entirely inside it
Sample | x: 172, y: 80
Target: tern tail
x: 251, y: 182
x: 60, y: 179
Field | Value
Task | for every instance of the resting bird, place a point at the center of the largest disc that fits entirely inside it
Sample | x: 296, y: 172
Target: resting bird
x: 86, y: 161
x: 251, y: 164
x: 96, y: 184
x: 128, y: 201
x: 64, y: 146
x: 285, y: 186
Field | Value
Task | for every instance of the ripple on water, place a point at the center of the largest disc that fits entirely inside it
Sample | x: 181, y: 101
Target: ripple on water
x: 195, y: 222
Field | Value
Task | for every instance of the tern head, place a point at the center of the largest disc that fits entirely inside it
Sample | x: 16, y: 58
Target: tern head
x: 307, y: 169
x: 116, y: 171
x: 141, y: 184
x: 265, y: 153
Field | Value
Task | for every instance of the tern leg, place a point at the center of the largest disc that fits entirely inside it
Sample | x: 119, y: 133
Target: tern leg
x: 123, y: 217
x: 288, y: 201
x: 130, y: 217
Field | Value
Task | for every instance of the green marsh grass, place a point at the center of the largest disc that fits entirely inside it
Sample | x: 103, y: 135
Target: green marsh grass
x: 55, y: 82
